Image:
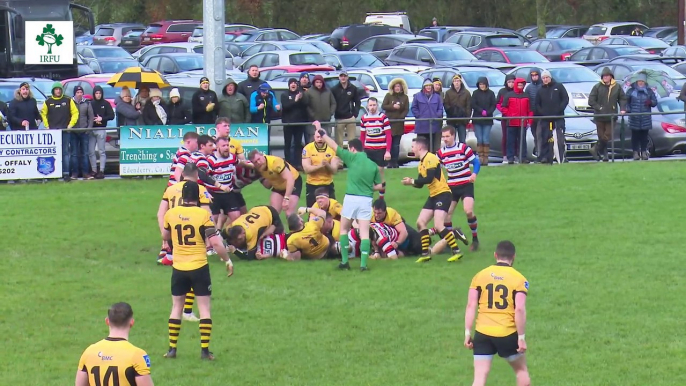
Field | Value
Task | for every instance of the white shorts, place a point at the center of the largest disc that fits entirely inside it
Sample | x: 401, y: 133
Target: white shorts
x: 357, y: 207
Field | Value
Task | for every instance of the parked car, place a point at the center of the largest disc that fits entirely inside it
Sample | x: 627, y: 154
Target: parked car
x: 652, y: 45
x: 352, y: 59
x: 659, y: 32
x: 234, y: 30
x: 440, y: 33
x: 86, y: 39
x: 266, y: 35
x: 278, y: 46
x: 167, y: 48
x: 112, y: 65
x: 376, y: 80
x: 112, y: 34
x: 109, y: 93
x: 675, y: 52
x: 515, y: 55
x: 348, y: 36
x: 100, y: 52
x: 175, y: 63
x: 578, y: 80
x: 429, y: 54
x: 283, y: 58
x: 330, y: 79
x: 470, y: 75
x: 671, y: 39
x: 44, y: 85
x: 9, y: 86
x: 566, y: 31
x: 531, y: 31
x: 474, y: 40
x: 382, y: 45
x: 269, y: 73
x: 322, y: 46
x: 681, y: 67
x: 168, y: 31
x: 131, y: 42
x: 559, y: 49
x: 591, y: 56
x: 599, y: 32
x: 622, y: 69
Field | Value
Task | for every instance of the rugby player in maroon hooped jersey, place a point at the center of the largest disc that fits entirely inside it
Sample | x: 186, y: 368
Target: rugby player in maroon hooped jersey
x: 375, y: 134
x: 457, y: 158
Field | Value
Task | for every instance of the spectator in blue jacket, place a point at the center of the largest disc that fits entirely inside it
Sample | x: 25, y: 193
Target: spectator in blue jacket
x: 262, y: 103
x: 428, y: 104
x: 640, y: 99
x: 23, y: 111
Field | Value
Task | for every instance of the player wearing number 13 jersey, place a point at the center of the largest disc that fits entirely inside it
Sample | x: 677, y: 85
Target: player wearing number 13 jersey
x: 499, y: 292
x: 113, y: 360
x: 247, y: 230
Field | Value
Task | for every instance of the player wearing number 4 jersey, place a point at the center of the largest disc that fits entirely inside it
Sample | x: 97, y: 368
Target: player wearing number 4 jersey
x: 308, y: 240
x: 436, y: 205
x: 113, y: 360
x: 186, y: 227
x: 499, y: 292
x: 456, y: 158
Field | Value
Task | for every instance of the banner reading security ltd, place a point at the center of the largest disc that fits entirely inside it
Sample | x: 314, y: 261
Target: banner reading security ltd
x: 148, y: 150
x: 30, y: 154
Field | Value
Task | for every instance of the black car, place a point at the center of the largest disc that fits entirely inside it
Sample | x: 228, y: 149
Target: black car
x: 348, y: 36
x: 652, y: 45
x: 131, y: 42
x: 473, y: 40
x: 382, y: 45
x: 352, y: 59
x: 659, y: 32
x: 174, y: 63
x: 591, y: 56
x: 429, y: 54
x: 557, y: 50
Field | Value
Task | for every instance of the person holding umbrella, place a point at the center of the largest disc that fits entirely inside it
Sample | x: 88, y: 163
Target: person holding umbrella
x: 640, y: 99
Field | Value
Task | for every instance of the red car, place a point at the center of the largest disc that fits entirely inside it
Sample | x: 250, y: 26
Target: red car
x: 269, y: 73
x: 512, y: 55
x: 169, y: 31
x: 110, y: 93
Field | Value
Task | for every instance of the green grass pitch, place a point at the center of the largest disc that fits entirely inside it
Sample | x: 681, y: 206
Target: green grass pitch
x: 601, y: 245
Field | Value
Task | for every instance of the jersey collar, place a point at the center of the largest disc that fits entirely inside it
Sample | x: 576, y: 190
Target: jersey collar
x: 321, y: 149
x: 501, y: 264
x: 111, y: 339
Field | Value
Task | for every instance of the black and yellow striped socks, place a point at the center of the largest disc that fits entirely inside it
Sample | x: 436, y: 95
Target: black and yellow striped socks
x: 188, y: 305
x: 174, y: 330
x: 449, y: 236
x: 205, y: 333
x: 426, y: 241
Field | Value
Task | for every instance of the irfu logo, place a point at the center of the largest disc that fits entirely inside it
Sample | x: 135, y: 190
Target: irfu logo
x: 50, y: 38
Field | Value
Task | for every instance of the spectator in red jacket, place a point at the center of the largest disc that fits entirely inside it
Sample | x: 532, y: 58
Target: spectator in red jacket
x: 516, y: 104
x: 507, y: 87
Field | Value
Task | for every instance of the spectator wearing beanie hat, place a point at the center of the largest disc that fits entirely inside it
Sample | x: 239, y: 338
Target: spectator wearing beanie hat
x: 203, y: 103
x: 305, y: 82
x: 294, y: 111
x: 177, y: 114
x: 154, y: 112
x: 262, y: 103
x: 551, y: 99
x: 80, y: 140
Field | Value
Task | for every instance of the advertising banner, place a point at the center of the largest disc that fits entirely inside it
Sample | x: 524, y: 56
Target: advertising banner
x: 148, y: 150
x: 34, y: 154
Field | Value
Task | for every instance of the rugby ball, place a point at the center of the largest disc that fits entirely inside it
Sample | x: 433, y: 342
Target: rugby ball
x: 49, y: 39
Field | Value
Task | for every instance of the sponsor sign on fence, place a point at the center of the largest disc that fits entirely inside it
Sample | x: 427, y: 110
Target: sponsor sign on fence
x: 34, y: 154
x: 148, y: 150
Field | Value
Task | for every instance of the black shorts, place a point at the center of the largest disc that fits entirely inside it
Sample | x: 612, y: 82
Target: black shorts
x: 463, y: 191
x: 439, y: 202
x: 376, y: 156
x: 505, y: 346
x: 310, y: 197
x: 198, y: 279
x: 297, y: 188
x: 227, y: 202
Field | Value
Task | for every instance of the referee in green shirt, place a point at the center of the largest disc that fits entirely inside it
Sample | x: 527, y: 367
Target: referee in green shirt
x: 363, y: 180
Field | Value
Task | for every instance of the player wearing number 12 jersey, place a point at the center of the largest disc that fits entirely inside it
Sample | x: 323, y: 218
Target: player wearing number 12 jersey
x: 499, y: 292
x: 113, y: 360
x: 186, y: 227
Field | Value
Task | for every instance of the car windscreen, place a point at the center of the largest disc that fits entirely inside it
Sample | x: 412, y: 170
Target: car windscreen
x: 524, y: 56
x: 596, y: 30
x: 114, y: 66
x: 649, y: 42
x: 413, y: 81
x: 504, y: 41
x: 361, y: 60
x: 672, y: 73
x: 153, y: 29
x: 189, y: 63
x: 306, y: 58
x: 111, y: 53
x: 451, y: 53
x: 574, y: 44
x: 495, y: 78
x: 573, y: 75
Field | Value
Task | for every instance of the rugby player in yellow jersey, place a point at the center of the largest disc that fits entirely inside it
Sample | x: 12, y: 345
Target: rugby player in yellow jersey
x: 244, y: 234
x: 186, y: 227
x: 283, y: 179
x: 172, y: 199
x: 437, y: 204
x: 308, y: 240
x: 499, y: 293
x: 113, y: 360
x: 325, y: 202
x: 320, y: 163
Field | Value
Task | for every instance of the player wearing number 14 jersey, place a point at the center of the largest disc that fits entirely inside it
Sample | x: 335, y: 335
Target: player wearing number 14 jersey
x: 500, y: 293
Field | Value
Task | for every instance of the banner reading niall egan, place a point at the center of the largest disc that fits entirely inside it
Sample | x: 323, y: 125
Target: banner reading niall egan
x: 30, y: 154
x: 148, y: 150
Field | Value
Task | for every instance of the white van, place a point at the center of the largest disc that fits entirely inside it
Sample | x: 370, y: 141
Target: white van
x: 393, y: 19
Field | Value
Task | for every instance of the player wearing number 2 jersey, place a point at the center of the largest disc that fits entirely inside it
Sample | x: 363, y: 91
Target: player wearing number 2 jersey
x: 186, y: 227
x: 113, y: 360
x: 248, y: 230
x: 499, y: 292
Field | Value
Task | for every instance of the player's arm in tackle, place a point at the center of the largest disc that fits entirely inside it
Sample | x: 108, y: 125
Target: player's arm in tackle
x: 215, y: 239
x: 430, y: 175
x: 469, y: 316
x: 290, y: 183
x: 402, y: 234
x: 312, y: 211
x: 265, y: 231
